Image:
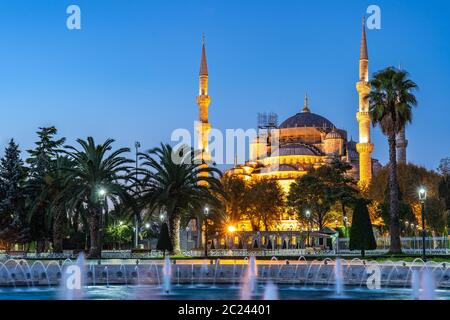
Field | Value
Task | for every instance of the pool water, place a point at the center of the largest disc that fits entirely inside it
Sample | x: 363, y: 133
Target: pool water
x: 210, y: 293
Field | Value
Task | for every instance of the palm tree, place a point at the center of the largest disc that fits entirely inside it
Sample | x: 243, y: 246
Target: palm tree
x: 99, y: 175
x: 390, y: 106
x: 58, y: 191
x: 178, y: 187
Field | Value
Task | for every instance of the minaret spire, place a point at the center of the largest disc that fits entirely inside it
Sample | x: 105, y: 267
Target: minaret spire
x: 203, y: 64
x: 363, y: 55
x: 364, y: 147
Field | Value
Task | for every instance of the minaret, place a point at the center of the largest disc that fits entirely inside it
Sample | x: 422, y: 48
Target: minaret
x: 364, y: 146
x: 401, y: 144
x: 203, y: 101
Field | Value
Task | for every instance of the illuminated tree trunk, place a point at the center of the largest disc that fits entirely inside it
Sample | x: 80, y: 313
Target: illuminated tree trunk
x: 94, y: 233
x: 174, y: 232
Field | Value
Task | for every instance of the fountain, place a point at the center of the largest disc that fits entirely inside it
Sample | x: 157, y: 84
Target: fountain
x: 249, y: 282
x: 415, y: 284
x: 270, y: 291
x: 428, y: 286
x: 338, y: 277
x: 418, y: 280
x: 167, y: 275
x: 73, y: 280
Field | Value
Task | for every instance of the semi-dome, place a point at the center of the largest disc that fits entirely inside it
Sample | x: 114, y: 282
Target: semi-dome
x: 306, y: 119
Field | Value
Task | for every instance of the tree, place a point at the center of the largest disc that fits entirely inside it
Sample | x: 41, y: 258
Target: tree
x: 235, y: 198
x: 390, y: 106
x: 99, y: 175
x: 361, y: 233
x: 13, y: 227
x: 410, y: 177
x: 342, y: 186
x: 164, y: 242
x: 58, y: 190
x: 265, y: 199
x: 176, y: 183
x: 405, y: 211
x: 310, y: 193
x: 444, y: 166
x: 41, y: 161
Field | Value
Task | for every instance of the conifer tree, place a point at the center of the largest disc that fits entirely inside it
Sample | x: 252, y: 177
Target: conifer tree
x: 164, y: 243
x: 13, y: 227
x: 42, y: 162
x: 361, y: 233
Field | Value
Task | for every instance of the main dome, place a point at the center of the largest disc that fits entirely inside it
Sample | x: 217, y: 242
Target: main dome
x: 306, y: 119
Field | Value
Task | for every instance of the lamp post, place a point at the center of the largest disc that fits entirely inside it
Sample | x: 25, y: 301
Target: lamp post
x: 102, y: 199
x: 187, y: 238
x: 345, y: 226
x: 308, y: 216
x: 137, y: 145
x: 147, y: 228
x: 206, y: 213
x: 422, y: 198
x: 291, y: 227
x: 231, y: 229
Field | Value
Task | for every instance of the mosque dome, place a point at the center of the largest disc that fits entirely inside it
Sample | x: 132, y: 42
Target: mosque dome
x: 306, y: 119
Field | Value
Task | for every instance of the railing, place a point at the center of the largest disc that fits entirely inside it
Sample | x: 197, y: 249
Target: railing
x: 410, y: 245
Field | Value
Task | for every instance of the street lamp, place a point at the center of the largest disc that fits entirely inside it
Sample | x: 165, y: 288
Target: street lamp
x: 308, y: 216
x: 231, y: 229
x: 101, y: 192
x: 102, y: 199
x: 206, y: 212
x: 345, y: 226
x: 137, y: 145
x: 422, y: 198
x: 187, y: 238
x: 291, y: 228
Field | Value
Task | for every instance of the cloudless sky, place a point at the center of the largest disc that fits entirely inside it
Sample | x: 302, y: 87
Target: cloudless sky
x: 131, y: 72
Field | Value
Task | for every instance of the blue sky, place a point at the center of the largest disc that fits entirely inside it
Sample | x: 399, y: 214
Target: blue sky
x: 131, y: 72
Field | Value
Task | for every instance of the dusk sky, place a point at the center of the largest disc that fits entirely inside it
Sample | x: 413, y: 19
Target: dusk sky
x: 131, y: 72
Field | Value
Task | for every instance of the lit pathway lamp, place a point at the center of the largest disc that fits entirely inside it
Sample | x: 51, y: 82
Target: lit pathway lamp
x: 187, y: 237
x: 102, y: 200
x: 206, y: 213
x: 147, y: 228
x: 308, y: 216
x: 231, y: 229
x: 137, y: 145
x: 422, y: 198
x: 345, y: 226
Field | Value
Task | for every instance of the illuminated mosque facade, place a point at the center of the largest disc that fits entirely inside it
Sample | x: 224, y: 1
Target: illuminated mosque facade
x: 303, y: 141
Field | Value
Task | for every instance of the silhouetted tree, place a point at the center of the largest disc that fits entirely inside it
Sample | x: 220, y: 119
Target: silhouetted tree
x: 164, y: 242
x: 361, y: 233
x: 13, y: 226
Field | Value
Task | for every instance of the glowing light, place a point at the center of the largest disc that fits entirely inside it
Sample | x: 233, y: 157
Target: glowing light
x: 231, y: 229
x: 422, y: 194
